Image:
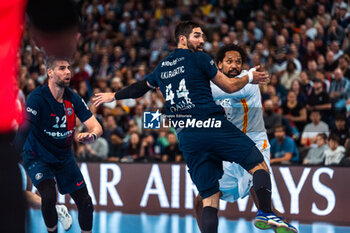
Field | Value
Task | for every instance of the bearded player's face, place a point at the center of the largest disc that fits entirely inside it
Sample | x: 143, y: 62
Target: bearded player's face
x: 195, y: 41
x: 61, y: 74
x: 232, y: 64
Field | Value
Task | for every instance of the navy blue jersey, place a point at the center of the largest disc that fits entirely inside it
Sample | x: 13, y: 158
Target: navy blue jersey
x: 184, y: 80
x: 53, y: 123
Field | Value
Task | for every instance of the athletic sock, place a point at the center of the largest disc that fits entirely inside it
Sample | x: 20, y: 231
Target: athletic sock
x: 262, y: 187
x: 209, y: 220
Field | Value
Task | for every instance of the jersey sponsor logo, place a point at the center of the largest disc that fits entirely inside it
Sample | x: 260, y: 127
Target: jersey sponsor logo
x: 80, y: 183
x: 32, y: 111
x: 38, y: 176
x: 180, y: 106
x: 151, y: 120
x: 53, y: 115
x: 212, y: 62
x: 172, y: 73
x: 173, y: 62
x: 59, y: 135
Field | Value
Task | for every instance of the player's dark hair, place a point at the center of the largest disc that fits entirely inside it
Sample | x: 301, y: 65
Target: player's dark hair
x: 51, y: 62
x: 184, y: 29
x: 231, y: 47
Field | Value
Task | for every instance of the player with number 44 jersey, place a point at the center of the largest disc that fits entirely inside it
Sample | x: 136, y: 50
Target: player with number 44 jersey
x: 184, y: 78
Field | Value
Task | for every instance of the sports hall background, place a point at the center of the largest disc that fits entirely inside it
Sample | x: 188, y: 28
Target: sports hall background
x: 122, y: 41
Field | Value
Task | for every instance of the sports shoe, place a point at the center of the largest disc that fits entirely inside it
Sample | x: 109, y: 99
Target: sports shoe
x: 266, y: 221
x: 64, y: 217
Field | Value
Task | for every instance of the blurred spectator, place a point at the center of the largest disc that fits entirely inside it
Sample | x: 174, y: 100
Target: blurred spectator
x: 283, y: 148
x: 316, y: 155
x: 289, y: 75
x: 280, y: 89
x: 271, y: 118
x: 97, y: 151
x: 172, y: 152
x: 42, y: 74
x: 331, y: 64
x: 339, y: 90
x: 296, y: 87
x: 319, y: 99
x: 336, y: 50
x: 133, y: 149
x: 138, y: 117
x: 147, y: 153
x: 305, y: 83
x: 117, y: 148
x: 340, y: 129
x: 335, y: 153
x: 311, y: 53
x: 308, y: 138
x: 343, y: 64
x: 294, y: 112
x: 110, y: 126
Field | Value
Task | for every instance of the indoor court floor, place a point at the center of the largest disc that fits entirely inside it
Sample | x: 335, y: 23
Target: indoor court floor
x: 117, y: 222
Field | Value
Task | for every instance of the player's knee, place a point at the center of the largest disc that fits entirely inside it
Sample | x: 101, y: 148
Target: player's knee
x: 47, y: 192
x: 87, y: 205
x: 198, y: 202
x: 260, y: 166
x: 212, y: 201
x: 83, y: 201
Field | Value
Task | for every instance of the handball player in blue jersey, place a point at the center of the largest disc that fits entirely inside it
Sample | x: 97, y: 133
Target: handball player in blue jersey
x: 184, y: 80
x: 48, y: 158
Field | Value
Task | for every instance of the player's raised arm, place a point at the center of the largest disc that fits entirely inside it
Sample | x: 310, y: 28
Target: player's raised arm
x: 133, y: 91
x: 232, y: 85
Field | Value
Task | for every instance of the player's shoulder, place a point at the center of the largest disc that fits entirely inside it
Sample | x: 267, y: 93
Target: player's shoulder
x: 38, y: 93
x: 70, y: 93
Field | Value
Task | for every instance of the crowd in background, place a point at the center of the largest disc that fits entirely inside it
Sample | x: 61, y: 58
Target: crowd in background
x: 304, y: 45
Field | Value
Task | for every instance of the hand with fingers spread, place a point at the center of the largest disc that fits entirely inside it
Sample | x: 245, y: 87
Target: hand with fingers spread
x: 101, y: 98
x: 86, y: 138
x: 258, y: 77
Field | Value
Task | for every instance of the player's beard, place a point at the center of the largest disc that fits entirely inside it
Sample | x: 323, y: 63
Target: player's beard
x: 193, y: 48
x: 233, y: 73
x: 63, y: 83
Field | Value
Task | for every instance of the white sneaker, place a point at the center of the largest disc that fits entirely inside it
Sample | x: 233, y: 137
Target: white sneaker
x: 64, y: 217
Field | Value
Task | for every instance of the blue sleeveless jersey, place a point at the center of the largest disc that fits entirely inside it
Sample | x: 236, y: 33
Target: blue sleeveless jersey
x: 53, y: 123
x: 184, y: 80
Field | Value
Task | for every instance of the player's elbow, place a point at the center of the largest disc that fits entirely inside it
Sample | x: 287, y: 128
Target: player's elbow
x: 231, y: 89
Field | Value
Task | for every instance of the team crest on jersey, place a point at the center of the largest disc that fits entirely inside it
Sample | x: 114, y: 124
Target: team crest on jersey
x: 38, y: 176
x: 69, y: 111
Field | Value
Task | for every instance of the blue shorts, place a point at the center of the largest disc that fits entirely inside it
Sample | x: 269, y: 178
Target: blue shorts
x: 204, y: 150
x: 66, y: 173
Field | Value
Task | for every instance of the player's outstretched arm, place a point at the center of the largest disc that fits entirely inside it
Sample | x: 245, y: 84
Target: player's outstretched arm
x: 235, y: 84
x: 133, y: 91
x: 94, y: 131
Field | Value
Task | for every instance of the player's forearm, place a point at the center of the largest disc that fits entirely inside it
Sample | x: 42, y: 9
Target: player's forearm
x: 239, y: 83
x: 97, y: 130
x: 133, y: 91
x: 230, y: 85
